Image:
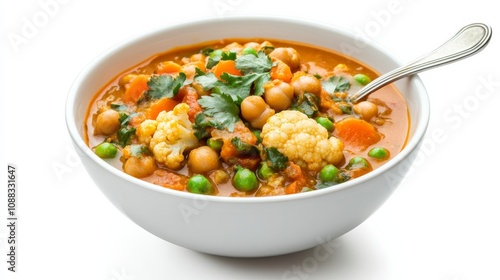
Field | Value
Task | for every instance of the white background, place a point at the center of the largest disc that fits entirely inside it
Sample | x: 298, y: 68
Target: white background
x: 440, y: 224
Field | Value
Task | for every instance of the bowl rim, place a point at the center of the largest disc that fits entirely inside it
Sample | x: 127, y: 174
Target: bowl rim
x: 72, y: 126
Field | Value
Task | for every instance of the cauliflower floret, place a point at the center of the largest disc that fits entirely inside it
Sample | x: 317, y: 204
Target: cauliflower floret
x: 302, y: 140
x: 146, y: 130
x: 169, y: 136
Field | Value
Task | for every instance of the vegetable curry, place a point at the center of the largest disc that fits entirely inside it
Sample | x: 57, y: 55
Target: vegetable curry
x: 246, y: 117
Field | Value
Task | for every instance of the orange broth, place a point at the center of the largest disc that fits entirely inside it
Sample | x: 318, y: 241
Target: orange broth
x: 391, y: 122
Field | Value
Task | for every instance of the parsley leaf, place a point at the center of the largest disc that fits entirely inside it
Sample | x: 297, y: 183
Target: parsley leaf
x: 164, y: 86
x: 336, y: 84
x: 222, y: 108
x: 250, y: 63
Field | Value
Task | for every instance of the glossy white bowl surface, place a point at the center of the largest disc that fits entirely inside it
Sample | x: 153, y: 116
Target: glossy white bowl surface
x: 244, y: 227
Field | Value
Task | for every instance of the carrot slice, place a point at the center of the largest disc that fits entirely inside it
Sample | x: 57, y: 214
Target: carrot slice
x: 191, y: 99
x: 135, y: 89
x: 281, y: 72
x: 356, y: 133
x: 168, y: 67
x: 226, y: 66
x: 292, y: 188
x: 164, y: 104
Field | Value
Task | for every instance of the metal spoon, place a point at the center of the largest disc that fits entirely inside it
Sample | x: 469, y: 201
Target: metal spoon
x: 468, y: 41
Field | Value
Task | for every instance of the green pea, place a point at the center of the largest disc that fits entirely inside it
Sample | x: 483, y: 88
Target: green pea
x: 245, y: 180
x: 215, y: 144
x: 379, y: 153
x: 199, y: 184
x: 329, y: 173
x: 249, y: 51
x: 358, y: 162
x: 325, y: 122
x: 265, y: 171
x: 106, y: 150
x: 362, y: 79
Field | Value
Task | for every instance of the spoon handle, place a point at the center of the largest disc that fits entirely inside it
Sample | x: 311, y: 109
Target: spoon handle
x: 468, y: 41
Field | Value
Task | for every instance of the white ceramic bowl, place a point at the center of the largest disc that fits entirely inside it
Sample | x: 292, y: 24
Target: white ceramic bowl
x: 251, y: 226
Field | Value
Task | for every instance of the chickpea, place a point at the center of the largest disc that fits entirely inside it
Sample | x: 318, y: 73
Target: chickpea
x: 190, y: 69
x: 253, y: 45
x: 203, y: 159
x: 340, y: 69
x: 197, y: 57
x: 199, y: 89
x: 107, y: 122
x: 126, y: 79
x: 220, y: 177
x: 267, y: 47
x: 278, y: 95
x: 303, y: 82
x: 236, y: 47
x: 140, y: 167
x: 256, y: 111
x: 366, y: 109
x: 288, y: 55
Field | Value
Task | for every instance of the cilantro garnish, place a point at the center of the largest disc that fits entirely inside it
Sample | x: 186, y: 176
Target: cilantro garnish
x: 250, y: 63
x: 164, y: 86
x: 218, y: 55
x: 244, y: 148
x: 336, y: 84
x: 124, y: 135
x: 207, y: 80
x: 201, y: 125
x: 138, y: 150
x: 306, y: 103
x: 118, y: 107
x: 222, y: 109
x: 237, y: 87
x: 256, y: 74
x: 126, y: 131
x: 275, y: 159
